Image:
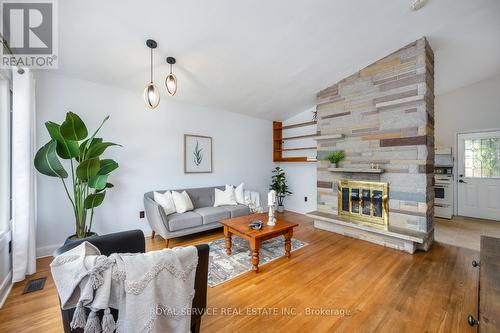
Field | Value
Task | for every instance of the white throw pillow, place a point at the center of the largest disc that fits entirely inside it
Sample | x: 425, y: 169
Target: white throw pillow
x: 225, y: 198
x: 165, y: 201
x: 182, y: 202
x: 238, y: 193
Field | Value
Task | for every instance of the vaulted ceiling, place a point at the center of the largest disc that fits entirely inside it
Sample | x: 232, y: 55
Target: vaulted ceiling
x: 269, y: 58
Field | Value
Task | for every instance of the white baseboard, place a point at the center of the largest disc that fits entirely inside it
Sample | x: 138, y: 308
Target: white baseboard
x: 6, y: 270
x: 296, y: 210
x: 46, y: 251
x: 5, y: 288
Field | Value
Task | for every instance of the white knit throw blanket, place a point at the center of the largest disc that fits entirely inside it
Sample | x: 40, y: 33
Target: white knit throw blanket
x: 152, y: 291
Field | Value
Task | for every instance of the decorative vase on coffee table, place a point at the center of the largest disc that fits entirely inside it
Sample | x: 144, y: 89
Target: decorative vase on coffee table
x: 271, y: 202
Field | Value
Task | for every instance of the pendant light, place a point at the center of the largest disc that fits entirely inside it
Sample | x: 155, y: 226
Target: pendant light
x: 171, y: 80
x: 151, y: 92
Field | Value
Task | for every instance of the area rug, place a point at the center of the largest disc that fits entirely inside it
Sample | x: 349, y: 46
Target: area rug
x: 222, y: 267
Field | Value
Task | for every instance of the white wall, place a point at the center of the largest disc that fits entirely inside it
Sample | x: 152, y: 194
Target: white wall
x: 475, y: 107
x: 301, y: 176
x: 472, y: 108
x: 152, y: 153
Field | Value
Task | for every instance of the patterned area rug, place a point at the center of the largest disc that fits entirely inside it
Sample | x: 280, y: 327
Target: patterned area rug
x: 223, y: 267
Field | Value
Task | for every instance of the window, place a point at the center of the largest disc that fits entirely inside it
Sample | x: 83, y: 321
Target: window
x: 482, y: 157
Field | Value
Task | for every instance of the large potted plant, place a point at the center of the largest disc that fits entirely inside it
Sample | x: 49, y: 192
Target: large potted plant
x: 88, y: 172
x: 279, y: 185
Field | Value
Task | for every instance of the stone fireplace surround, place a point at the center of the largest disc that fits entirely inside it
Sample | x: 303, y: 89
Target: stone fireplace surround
x: 382, y: 115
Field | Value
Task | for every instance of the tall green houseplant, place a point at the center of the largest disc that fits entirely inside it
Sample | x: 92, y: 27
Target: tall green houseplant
x: 279, y: 185
x: 89, y: 173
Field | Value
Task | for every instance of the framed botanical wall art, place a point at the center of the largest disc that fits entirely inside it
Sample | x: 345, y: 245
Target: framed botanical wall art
x: 197, y: 154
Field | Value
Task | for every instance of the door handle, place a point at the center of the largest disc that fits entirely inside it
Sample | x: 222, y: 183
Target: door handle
x: 461, y: 181
x: 472, y: 321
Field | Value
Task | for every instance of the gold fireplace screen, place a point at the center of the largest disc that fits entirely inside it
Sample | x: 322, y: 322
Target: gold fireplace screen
x: 364, y: 201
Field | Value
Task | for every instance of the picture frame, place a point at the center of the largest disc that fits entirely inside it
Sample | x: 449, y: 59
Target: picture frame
x: 198, y: 154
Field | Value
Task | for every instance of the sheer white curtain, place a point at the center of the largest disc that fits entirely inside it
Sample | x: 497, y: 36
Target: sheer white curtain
x: 23, y: 175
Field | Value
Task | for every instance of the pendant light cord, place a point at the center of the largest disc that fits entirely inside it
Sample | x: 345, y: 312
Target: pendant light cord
x: 151, y: 62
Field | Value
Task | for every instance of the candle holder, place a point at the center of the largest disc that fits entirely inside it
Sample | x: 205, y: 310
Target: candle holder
x: 271, y: 219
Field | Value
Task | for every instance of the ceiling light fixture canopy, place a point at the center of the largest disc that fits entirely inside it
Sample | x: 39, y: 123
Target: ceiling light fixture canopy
x: 417, y: 4
x: 171, y: 80
x: 151, y: 91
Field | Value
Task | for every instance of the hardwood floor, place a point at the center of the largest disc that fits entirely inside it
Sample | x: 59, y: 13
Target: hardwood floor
x: 465, y: 231
x: 361, y: 287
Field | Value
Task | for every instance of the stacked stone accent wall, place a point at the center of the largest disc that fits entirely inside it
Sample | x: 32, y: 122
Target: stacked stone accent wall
x: 386, y: 113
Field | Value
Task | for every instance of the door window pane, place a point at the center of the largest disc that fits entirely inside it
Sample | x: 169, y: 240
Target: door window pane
x: 482, y: 157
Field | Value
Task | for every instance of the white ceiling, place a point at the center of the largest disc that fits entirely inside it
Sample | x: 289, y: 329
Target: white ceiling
x: 269, y: 58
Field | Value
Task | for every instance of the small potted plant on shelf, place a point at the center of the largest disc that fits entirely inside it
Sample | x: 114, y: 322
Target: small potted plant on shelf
x: 335, y: 157
x: 279, y: 185
x: 88, y: 177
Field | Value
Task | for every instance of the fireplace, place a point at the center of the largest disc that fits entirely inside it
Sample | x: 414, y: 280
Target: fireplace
x: 381, y: 115
x: 364, y: 202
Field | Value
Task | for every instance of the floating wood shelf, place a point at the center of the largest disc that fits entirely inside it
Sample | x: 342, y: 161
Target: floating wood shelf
x: 300, y: 148
x: 299, y: 137
x: 295, y: 159
x: 278, y: 140
x: 307, y: 123
x: 328, y: 137
x: 357, y: 170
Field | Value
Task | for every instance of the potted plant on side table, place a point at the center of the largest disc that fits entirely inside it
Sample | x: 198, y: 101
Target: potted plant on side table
x: 335, y: 157
x: 88, y: 172
x: 279, y: 185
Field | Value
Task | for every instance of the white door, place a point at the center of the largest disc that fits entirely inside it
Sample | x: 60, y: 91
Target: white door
x: 479, y: 175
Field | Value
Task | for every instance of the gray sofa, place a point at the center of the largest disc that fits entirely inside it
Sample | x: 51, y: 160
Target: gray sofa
x: 204, y: 216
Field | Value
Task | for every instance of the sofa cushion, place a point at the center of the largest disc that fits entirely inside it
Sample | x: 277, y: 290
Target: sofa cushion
x: 202, y: 197
x: 239, y: 193
x: 182, y: 201
x: 225, y: 198
x: 213, y: 214
x: 238, y: 210
x: 179, y: 221
x: 165, y: 201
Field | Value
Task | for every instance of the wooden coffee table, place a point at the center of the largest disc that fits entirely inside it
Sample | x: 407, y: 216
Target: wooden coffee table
x: 239, y: 226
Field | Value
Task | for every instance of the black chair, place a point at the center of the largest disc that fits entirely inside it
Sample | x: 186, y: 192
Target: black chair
x: 133, y: 242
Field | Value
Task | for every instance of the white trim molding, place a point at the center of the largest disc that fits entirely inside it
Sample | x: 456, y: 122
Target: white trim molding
x: 6, y: 280
x: 5, y: 288
x: 46, y: 251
